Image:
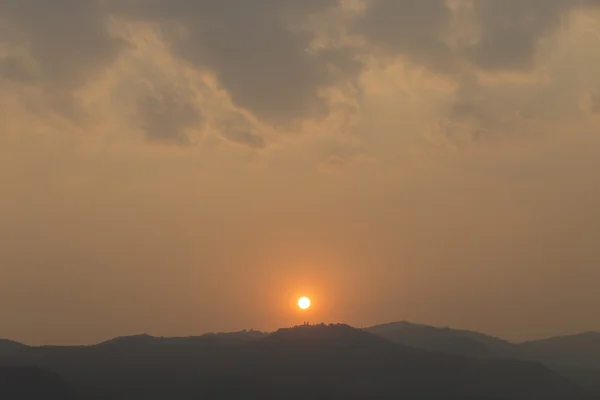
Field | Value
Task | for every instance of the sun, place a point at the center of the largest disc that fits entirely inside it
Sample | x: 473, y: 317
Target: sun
x: 304, y: 303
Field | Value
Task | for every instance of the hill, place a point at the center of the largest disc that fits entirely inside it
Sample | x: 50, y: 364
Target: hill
x: 576, y: 357
x: 31, y: 383
x: 305, y: 362
x: 327, y: 335
x: 580, y: 351
x: 208, y: 338
x: 9, y: 345
x: 450, y: 341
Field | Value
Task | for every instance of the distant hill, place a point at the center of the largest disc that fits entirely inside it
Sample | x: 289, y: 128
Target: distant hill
x: 305, y: 362
x: 577, y: 357
x: 575, y: 352
x: 8, y: 345
x: 333, y: 335
x: 450, y: 341
x: 31, y: 383
x: 586, y: 378
x: 580, y: 351
x: 208, y: 338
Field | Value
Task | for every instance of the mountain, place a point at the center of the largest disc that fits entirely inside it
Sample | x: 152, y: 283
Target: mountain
x: 9, y: 345
x: 305, y: 362
x: 450, y: 341
x: 326, y: 335
x: 586, y: 378
x: 576, y: 357
x: 580, y: 351
x: 31, y: 383
x: 208, y: 338
x: 128, y: 341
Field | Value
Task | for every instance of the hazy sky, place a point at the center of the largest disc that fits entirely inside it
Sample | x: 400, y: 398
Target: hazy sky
x: 182, y: 166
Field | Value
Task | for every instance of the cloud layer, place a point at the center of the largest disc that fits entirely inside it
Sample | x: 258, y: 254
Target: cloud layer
x: 278, y: 61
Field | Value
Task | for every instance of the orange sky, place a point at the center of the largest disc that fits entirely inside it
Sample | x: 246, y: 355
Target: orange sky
x: 176, y: 167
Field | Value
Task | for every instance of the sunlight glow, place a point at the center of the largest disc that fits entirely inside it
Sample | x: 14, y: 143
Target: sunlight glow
x: 304, y: 303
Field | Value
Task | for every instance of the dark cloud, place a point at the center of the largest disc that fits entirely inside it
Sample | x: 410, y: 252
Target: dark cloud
x: 512, y: 29
x: 58, y: 45
x: 259, y: 49
x: 468, y: 111
x: 68, y: 39
x: 237, y: 129
x: 458, y: 134
x: 251, y: 47
x: 410, y: 27
x: 244, y: 137
x: 15, y: 69
x: 166, y: 117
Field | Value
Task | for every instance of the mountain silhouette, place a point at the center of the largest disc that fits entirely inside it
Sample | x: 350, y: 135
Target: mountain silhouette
x: 32, y: 383
x: 581, y: 351
x: 304, y: 362
x: 450, y: 341
x: 207, y: 338
x: 9, y: 345
x: 332, y: 335
x: 576, y: 356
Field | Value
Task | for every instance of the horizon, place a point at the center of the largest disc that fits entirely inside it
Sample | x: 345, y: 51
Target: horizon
x: 308, y: 323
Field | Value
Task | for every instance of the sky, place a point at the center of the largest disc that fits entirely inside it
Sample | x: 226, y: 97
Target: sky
x: 178, y: 167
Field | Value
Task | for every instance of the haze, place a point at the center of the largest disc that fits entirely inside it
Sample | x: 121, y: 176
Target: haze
x: 177, y: 167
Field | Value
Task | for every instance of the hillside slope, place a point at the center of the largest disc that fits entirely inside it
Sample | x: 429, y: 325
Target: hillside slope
x: 306, y: 362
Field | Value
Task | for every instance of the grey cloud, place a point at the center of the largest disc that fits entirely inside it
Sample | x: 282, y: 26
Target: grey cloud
x: 258, y: 49
x: 341, y: 62
x: 245, y: 137
x: 68, y: 39
x: 255, y: 50
x: 58, y: 45
x: 510, y: 31
x: 14, y: 69
x: 412, y: 27
x: 237, y: 129
x: 470, y: 103
x: 458, y: 134
x: 468, y: 111
x: 166, y: 117
x: 251, y: 47
x: 339, y: 155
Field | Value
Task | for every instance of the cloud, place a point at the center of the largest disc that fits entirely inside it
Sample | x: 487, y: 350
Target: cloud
x: 445, y: 36
x: 14, y: 69
x: 251, y: 47
x: 413, y: 28
x: 166, y: 117
x: 239, y: 130
x: 69, y: 40
x: 259, y: 52
x: 511, y: 30
x: 341, y: 159
x: 245, y: 137
x: 269, y: 57
x: 54, y: 48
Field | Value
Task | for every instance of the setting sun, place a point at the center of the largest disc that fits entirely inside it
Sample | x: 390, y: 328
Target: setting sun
x: 304, y: 303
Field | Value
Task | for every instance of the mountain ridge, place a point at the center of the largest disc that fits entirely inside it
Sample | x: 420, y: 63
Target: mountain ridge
x: 371, y: 329
x: 574, y: 355
x: 309, y: 361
